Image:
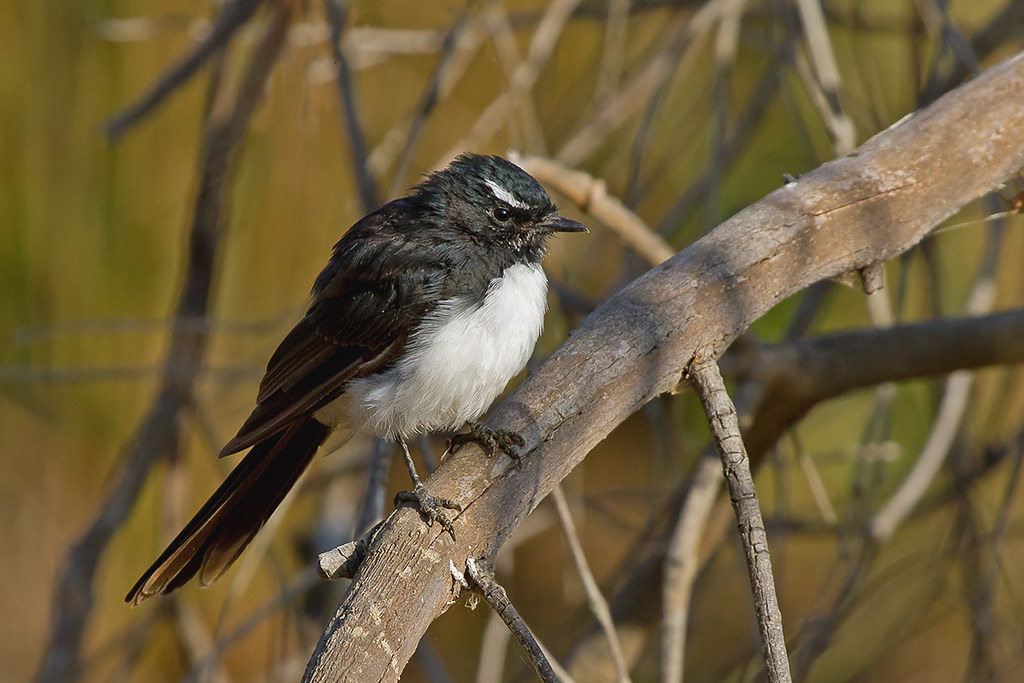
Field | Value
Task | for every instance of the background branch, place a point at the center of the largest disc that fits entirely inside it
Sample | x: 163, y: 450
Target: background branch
x: 158, y: 434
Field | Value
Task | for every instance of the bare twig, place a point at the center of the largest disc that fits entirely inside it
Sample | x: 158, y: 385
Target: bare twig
x: 157, y: 435
x: 726, y: 44
x: 591, y: 195
x: 529, y: 129
x: 598, y: 605
x: 613, y: 54
x: 981, y: 658
x: 950, y: 412
x: 461, y: 40
x: 543, y: 44
x: 446, y: 75
x: 337, y: 10
x: 496, y: 597
x: 637, y: 91
x: 682, y: 560
x: 725, y: 430
x: 228, y: 21
x: 754, y: 109
x: 844, y: 136
x: 295, y: 587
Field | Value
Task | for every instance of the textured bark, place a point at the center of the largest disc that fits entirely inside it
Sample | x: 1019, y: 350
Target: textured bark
x: 725, y: 432
x: 848, y: 214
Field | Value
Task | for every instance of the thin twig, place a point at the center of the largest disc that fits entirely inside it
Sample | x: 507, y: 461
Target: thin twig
x: 446, y: 75
x: 337, y: 10
x: 530, y: 131
x: 549, y: 30
x: 738, y: 139
x: 157, y: 435
x: 684, y: 32
x: 598, y: 605
x: 452, y: 47
x: 228, y: 21
x: 951, y: 408
x: 682, y: 562
x: 725, y: 429
x: 295, y: 587
x: 591, y: 195
x: 727, y: 41
x: 496, y: 597
x: 981, y: 659
x: 844, y: 135
x: 613, y: 54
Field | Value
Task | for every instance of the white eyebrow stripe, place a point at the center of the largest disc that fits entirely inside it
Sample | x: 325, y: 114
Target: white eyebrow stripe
x: 504, y: 195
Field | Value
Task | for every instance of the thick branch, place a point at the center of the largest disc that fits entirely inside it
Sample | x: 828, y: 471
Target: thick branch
x: 848, y: 214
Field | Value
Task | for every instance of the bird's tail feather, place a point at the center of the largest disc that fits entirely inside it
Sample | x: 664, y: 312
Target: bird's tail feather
x: 219, y: 532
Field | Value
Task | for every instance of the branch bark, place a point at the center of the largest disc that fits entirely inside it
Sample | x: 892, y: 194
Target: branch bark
x: 725, y: 431
x: 850, y: 213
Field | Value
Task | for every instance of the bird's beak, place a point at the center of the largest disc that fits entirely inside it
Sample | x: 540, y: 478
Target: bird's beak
x: 556, y: 223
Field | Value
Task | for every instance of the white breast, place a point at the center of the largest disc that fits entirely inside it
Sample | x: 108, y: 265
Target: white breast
x: 458, y: 361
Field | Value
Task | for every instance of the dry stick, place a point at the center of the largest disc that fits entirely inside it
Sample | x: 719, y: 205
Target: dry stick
x: 866, y: 207
x: 337, y: 10
x: 493, y: 645
x: 682, y: 562
x: 157, y: 435
x: 1001, y: 30
x: 591, y: 195
x: 197, y: 640
x: 447, y: 74
x: 613, y: 52
x: 452, y: 47
x: 293, y: 589
x: 844, y: 136
x: 549, y: 30
x: 726, y: 44
x: 530, y: 130
x: 756, y: 106
x: 982, y: 641
x: 598, y: 605
x: 228, y: 21
x: 725, y: 430
x: 636, y: 92
x: 951, y: 410
x: 496, y: 597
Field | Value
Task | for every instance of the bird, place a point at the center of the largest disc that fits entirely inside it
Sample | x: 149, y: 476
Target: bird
x: 425, y: 311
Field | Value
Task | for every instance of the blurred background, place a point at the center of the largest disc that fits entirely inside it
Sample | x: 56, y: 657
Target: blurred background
x: 117, y: 389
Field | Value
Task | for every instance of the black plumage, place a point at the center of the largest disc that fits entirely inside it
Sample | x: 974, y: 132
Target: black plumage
x: 448, y: 241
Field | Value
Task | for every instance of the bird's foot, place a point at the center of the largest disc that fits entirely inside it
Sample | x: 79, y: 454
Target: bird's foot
x: 430, y: 506
x: 492, y: 440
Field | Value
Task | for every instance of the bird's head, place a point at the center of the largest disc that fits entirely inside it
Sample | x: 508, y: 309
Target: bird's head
x: 495, y: 202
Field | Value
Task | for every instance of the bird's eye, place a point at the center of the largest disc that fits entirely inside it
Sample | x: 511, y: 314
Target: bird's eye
x: 501, y: 214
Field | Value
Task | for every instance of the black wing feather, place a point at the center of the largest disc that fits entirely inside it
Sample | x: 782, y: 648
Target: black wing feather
x: 366, y: 303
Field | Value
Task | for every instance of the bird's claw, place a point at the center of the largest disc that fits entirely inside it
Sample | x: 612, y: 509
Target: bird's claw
x: 492, y: 440
x: 430, y: 506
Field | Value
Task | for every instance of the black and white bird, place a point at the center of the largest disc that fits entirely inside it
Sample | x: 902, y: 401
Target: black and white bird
x: 425, y: 311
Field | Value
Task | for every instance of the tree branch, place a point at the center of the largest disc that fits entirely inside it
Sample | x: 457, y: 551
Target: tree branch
x: 706, y: 379
x: 157, y: 435
x: 866, y: 207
